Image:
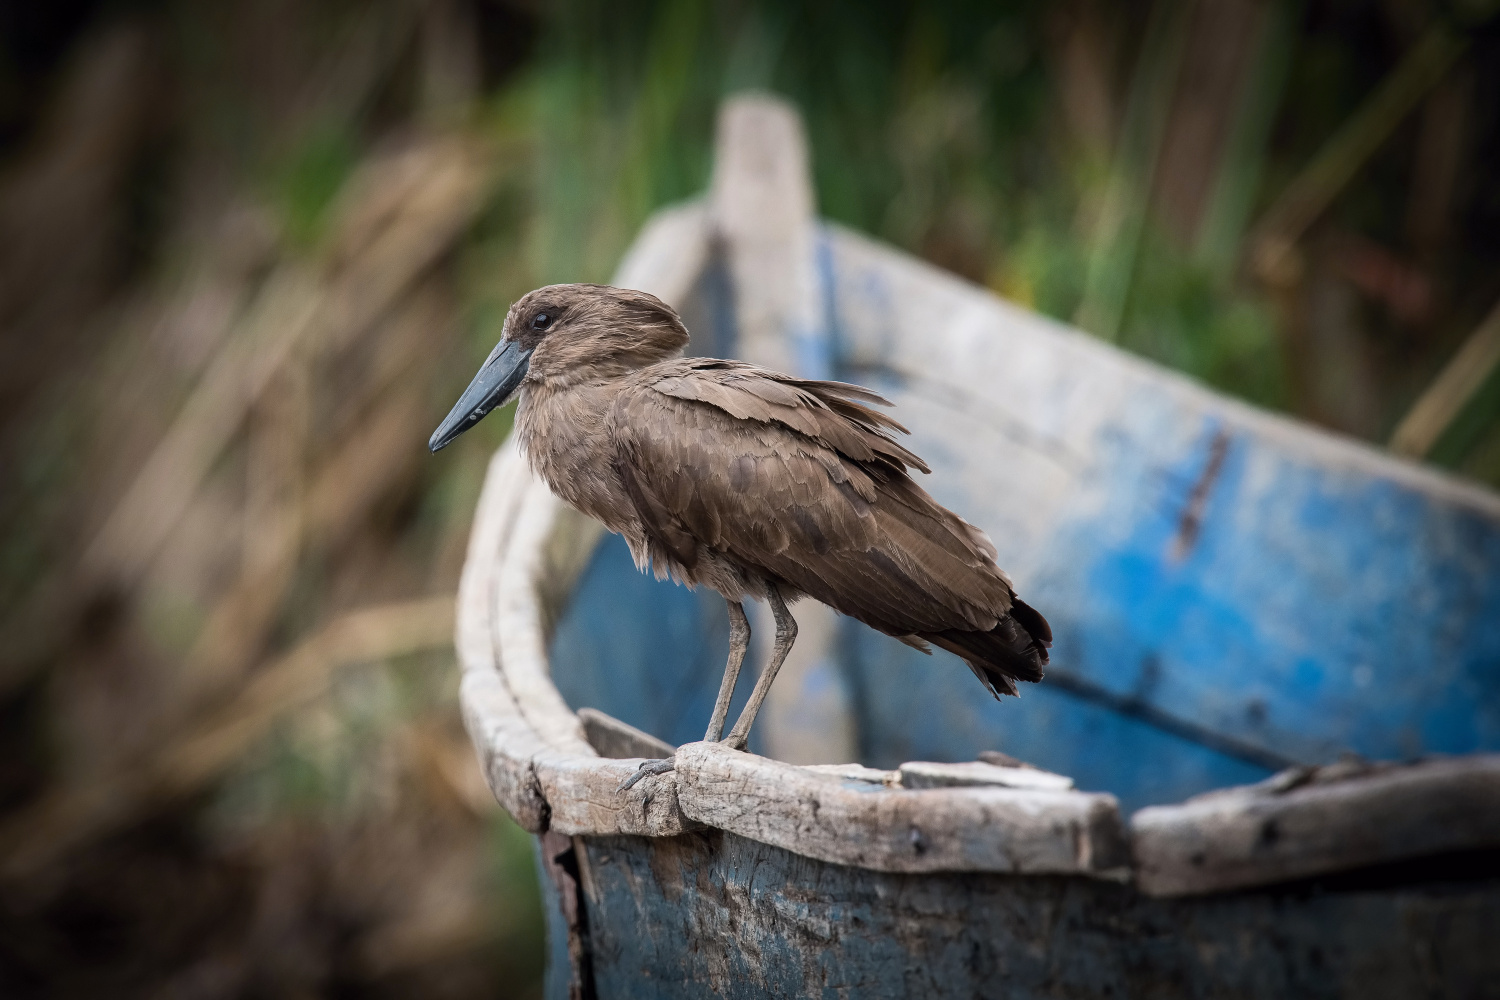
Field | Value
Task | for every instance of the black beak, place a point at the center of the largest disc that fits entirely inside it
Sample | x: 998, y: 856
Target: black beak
x: 496, y: 383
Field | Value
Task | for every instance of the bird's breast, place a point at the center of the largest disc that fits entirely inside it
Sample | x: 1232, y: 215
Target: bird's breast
x: 567, y: 444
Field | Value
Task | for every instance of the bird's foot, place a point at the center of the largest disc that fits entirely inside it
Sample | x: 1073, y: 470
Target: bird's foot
x: 651, y: 767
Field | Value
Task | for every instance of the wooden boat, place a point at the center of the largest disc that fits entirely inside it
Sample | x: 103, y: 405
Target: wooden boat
x: 1248, y: 611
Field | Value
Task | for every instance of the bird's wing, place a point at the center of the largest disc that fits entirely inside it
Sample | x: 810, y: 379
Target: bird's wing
x: 802, y: 481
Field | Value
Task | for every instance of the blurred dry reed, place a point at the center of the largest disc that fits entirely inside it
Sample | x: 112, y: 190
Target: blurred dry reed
x: 243, y: 561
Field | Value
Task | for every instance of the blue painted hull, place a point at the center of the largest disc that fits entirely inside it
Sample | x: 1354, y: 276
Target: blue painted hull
x: 713, y: 914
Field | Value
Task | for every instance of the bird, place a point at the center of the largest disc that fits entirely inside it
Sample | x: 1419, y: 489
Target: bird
x: 748, y: 481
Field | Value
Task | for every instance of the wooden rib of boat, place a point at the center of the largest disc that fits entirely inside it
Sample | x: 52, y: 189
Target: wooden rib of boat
x: 1248, y: 611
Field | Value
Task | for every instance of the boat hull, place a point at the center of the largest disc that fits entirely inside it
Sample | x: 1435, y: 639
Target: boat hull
x: 712, y: 913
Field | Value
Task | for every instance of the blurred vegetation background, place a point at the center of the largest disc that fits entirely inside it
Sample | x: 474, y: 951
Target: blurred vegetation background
x: 250, y: 252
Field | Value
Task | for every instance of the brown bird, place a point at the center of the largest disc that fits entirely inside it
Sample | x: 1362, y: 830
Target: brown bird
x: 751, y: 482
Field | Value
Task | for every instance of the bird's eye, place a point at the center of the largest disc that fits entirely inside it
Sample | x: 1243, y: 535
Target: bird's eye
x: 541, y: 321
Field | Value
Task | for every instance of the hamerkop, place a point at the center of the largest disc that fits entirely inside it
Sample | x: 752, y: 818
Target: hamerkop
x: 757, y: 484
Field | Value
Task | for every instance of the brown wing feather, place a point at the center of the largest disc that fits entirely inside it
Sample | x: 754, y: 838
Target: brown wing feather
x: 801, y: 482
x: 664, y: 527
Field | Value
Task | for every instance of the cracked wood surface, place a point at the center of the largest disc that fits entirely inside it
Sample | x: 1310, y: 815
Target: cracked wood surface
x: 1311, y: 821
x: 869, y: 825
x: 613, y: 738
x: 929, y: 774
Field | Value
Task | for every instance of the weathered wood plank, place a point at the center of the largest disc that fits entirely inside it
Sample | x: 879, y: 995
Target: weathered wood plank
x: 715, y: 914
x: 871, y: 826
x: 1294, y: 825
x: 565, y: 793
x: 613, y: 738
x: 499, y: 731
x: 507, y: 748
x: 493, y: 517
x: 927, y: 774
x: 585, y: 798
x: 854, y: 772
x: 761, y: 204
x: 518, y: 619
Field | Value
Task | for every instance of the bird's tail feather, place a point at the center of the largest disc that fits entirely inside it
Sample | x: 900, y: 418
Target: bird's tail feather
x: 1014, y: 650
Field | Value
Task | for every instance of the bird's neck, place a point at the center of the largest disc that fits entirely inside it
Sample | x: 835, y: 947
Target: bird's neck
x: 562, y: 431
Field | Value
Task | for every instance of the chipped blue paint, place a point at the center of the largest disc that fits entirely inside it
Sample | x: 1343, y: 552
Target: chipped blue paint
x: 713, y: 914
x: 1325, y: 614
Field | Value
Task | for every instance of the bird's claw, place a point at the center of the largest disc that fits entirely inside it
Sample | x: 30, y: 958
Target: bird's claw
x: 651, y: 767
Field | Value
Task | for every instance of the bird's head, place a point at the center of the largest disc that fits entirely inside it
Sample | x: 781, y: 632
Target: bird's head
x: 561, y: 335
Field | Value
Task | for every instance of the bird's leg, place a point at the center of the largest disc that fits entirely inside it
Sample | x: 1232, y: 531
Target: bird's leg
x: 739, y: 641
x: 786, y: 634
